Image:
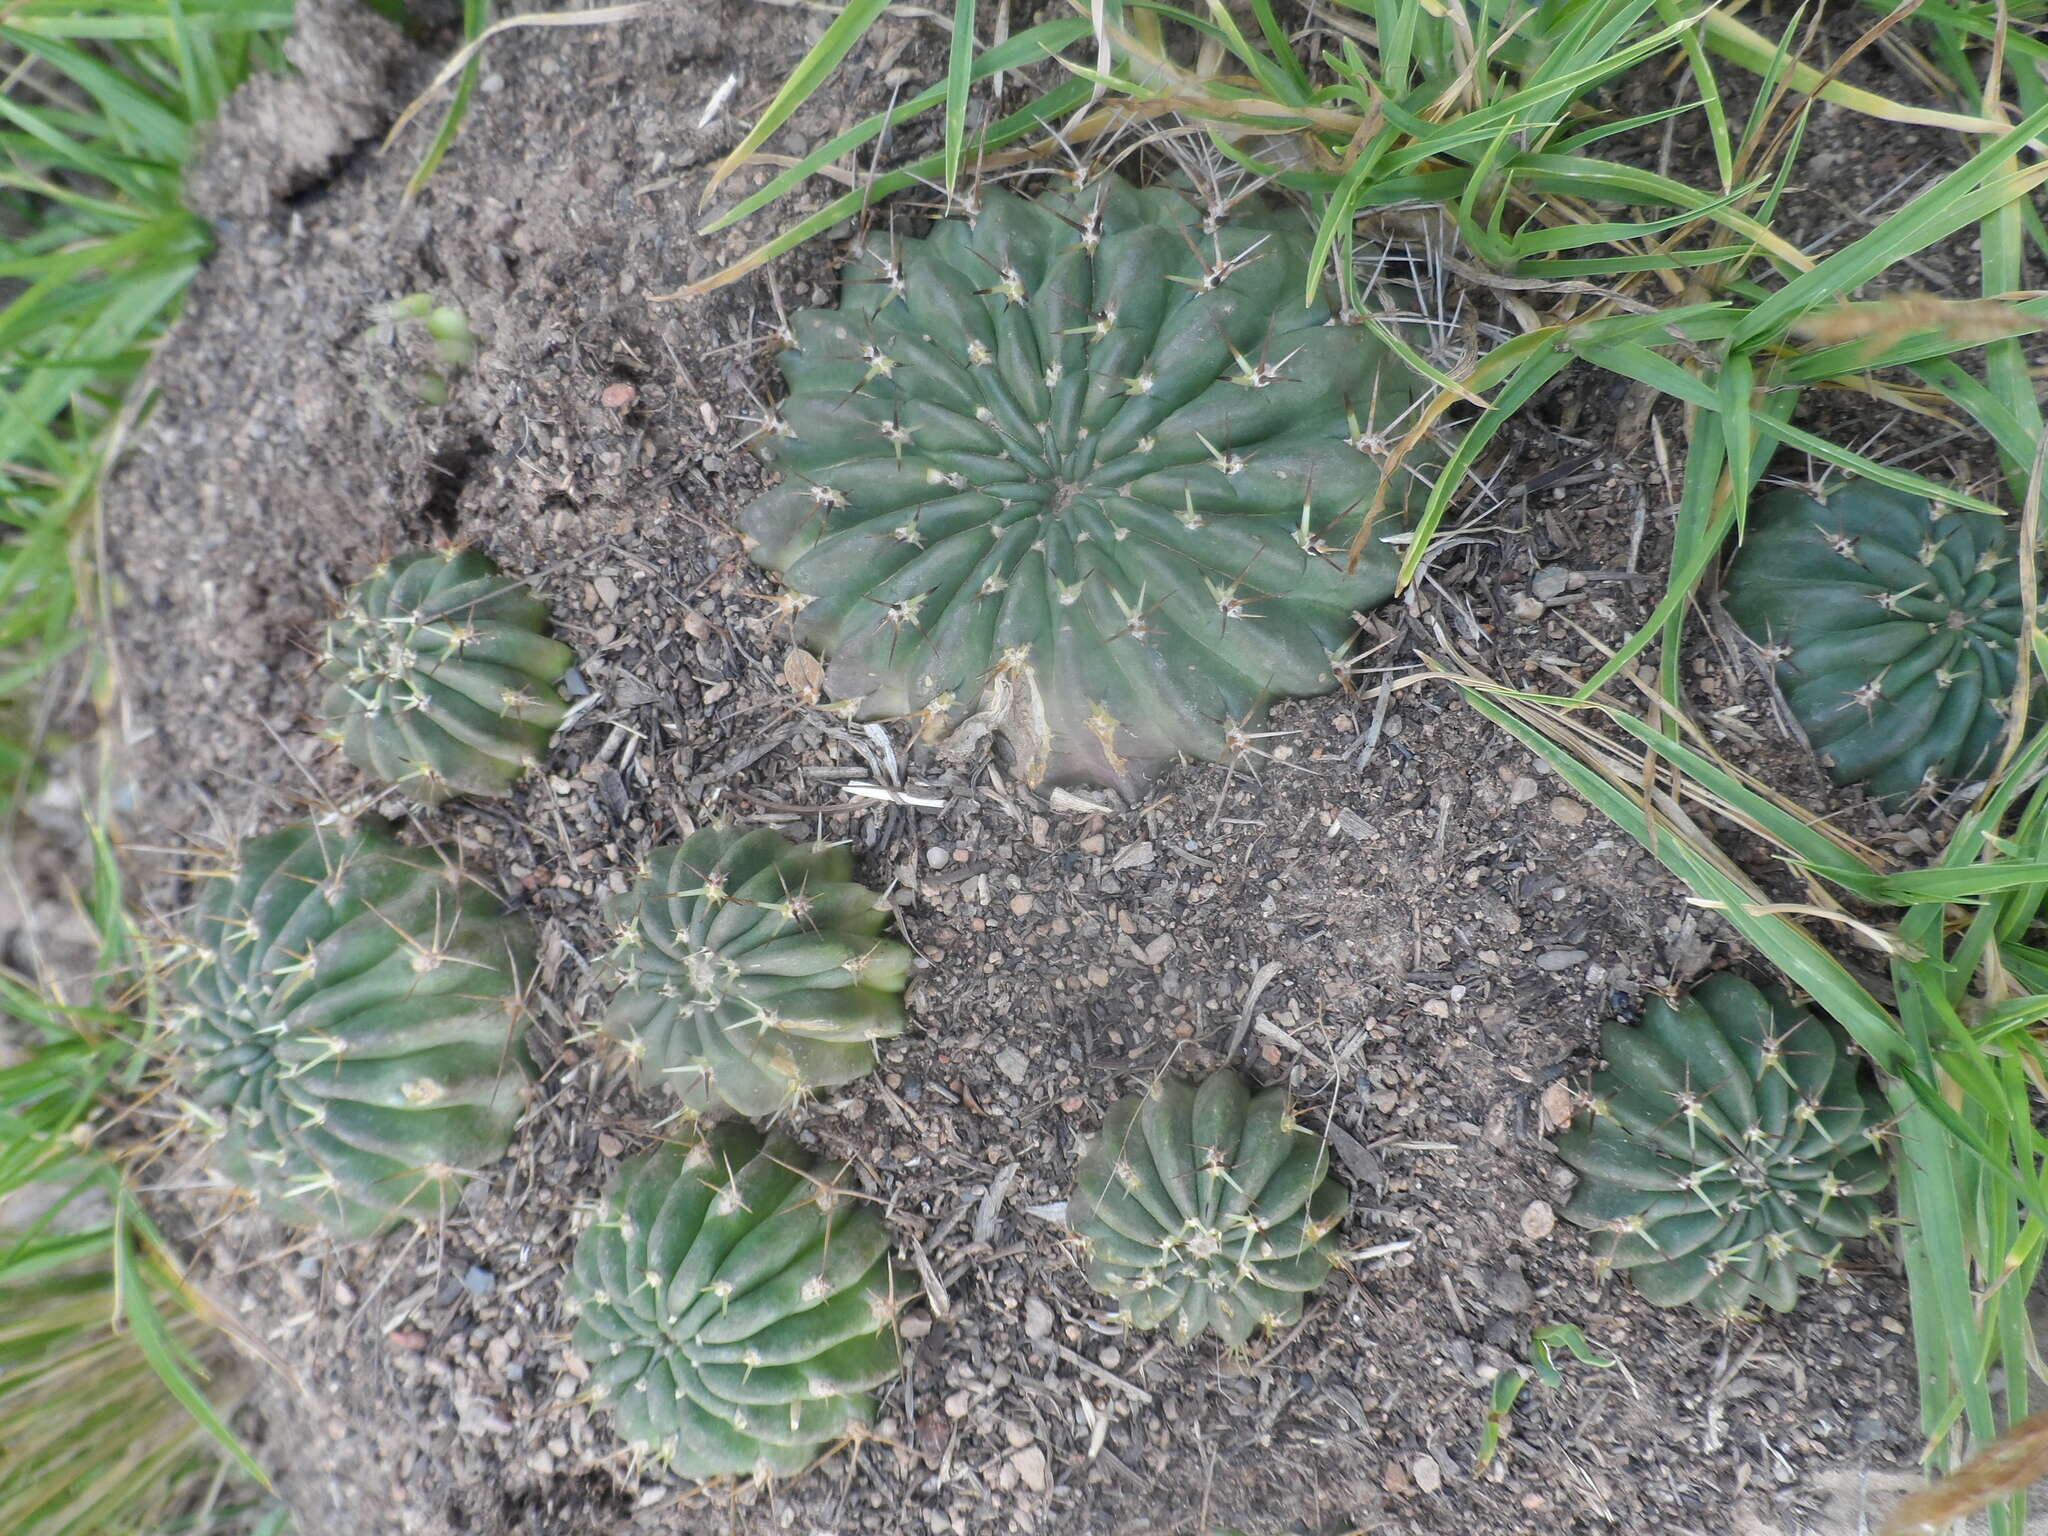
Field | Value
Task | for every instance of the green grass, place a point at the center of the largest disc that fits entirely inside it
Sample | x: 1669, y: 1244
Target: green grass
x: 107, y: 1360
x: 97, y: 114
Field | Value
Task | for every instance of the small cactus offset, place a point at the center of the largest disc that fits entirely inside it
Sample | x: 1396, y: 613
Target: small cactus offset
x: 351, y: 1023
x: 1086, y: 470
x: 736, y: 1306
x: 441, y: 676
x: 1894, y: 624
x: 1205, y: 1206
x: 751, y: 971
x: 1731, y: 1147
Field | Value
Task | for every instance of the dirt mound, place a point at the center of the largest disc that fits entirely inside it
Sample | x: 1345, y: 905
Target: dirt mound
x: 1404, y: 916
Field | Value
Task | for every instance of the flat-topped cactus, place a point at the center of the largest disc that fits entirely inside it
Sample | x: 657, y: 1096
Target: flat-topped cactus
x: 351, y: 1023
x: 1894, y: 624
x: 1206, y: 1207
x: 737, y: 1307
x: 750, y: 970
x: 1085, y: 470
x: 441, y: 676
x: 1731, y: 1147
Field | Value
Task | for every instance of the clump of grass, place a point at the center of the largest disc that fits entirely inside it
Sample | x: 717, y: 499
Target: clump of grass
x: 98, y: 105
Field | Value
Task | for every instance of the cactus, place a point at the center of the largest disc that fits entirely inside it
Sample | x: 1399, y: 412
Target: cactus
x: 447, y: 336
x: 1732, y: 1145
x: 351, y: 1021
x: 1085, y: 470
x: 750, y: 970
x: 1894, y: 624
x: 735, y: 1305
x: 441, y: 678
x: 1206, y: 1206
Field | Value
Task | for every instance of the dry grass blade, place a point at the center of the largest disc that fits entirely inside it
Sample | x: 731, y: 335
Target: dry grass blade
x: 2010, y: 1464
x: 603, y: 16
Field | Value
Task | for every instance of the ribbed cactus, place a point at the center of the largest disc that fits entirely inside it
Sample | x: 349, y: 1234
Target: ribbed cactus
x: 1894, y: 624
x: 1086, y: 470
x: 750, y: 970
x: 1732, y: 1145
x: 1205, y: 1206
x: 351, y: 1023
x: 736, y: 1306
x: 441, y: 677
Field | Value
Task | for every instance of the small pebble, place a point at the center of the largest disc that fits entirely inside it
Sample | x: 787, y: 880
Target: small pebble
x: 1538, y: 1221
x: 479, y: 1281
x: 1550, y: 582
x: 1032, y: 1470
x: 1427, y: 1474
x: 1511, y: 1292
x: 1567, y: 812
x: 618, y: 397
x: 1560, y: 959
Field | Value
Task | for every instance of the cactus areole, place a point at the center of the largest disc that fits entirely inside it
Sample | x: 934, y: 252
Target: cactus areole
x: 736, y: 1306
x: 1894, y: 624
x: 351, y: 1026
x: 441, y: 676
x: 1083, y: 470
x: 1205, y: 1207
x: 750, y: 970
x: 1732, y: 1145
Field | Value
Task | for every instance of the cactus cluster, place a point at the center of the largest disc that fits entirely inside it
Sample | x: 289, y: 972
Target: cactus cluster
x: 1894, y: 623
x: 1084, y: 469
x: 1732, y: 1145
x: 1206, y: 1207
x: 441, y: 676
x: 737, y: 1307
x: 352, y: 1025
x: 750, y: 971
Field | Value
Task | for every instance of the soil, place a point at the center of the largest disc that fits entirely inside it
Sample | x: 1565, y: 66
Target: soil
x: 1399, y: 912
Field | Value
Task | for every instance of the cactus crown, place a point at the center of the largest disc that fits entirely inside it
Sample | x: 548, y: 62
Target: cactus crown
x: 1731, y: 1147
x: 1894, y: 624
x: 441, y: 677
x: 736, y: 1306
x: 351, y: 1024
x: 1085, y: 470
x: 750, y: 970
x: 1206, y: 1207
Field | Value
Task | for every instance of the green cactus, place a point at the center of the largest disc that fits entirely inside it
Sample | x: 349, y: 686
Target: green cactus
x: 1894, y: 624
x: 1206, y: 1206
x: 736, y: 1306
x: 441, y: 677
x: 751, y: 971
x: 1732, y: 1145
x: 351, y: 1021
x: 1085, y: 470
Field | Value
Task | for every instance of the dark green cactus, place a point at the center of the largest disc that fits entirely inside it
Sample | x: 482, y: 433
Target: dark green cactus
x: 1206, y: 1207
x: 1732, y: 1145
x: 751, y: 971
x: 1086, y: 470
x: 441, y: 677
x: 736, y: 1306
x: 1894, y: 625
x: 351, y: 1023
